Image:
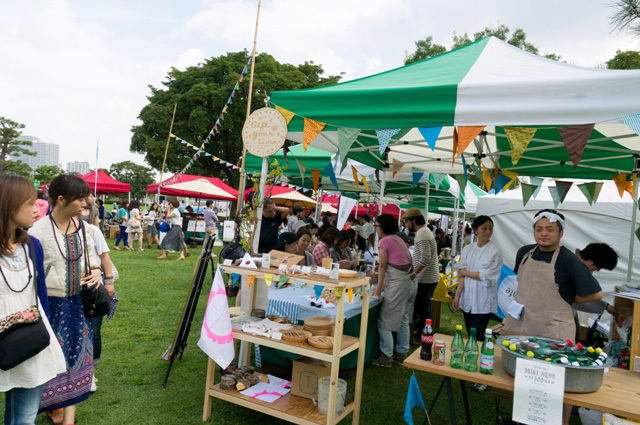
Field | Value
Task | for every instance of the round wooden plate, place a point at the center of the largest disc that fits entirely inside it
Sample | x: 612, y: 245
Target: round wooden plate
x: 324, y: 342
x: 318, y: 322
x: 348, y: 273
x: 296, y: 335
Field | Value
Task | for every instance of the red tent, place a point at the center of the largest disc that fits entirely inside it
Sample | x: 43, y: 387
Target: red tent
x: 372, y: 210
x: 270, y: 190
x: 106, y: 184
x: 153, y: 188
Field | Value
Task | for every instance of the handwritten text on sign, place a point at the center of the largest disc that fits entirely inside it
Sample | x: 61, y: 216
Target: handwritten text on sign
x: 538, y: 393
x: 264, y: 132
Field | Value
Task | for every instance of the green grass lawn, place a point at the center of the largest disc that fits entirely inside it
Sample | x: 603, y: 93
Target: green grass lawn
x: 152, y: 294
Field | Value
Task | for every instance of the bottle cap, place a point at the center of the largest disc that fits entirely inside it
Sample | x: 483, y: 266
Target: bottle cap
x: 512, y: 347
x: 488, y: 331
x: 472, y: 331
x: 428, y: 322
x: 505, y: 343
x: 458, y: 327
x: 598, y: 350
x: 530, y: 354
x: 590, y: 350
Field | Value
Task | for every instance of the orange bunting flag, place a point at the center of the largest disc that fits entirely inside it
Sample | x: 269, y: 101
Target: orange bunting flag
x: 250, y: 280
x: 622, y: 184
x: 364, y: 183
x: 395, y: 167
x: 486, y: 177
x: 315, y: 174
x: 350, y: 294
x: 311, y: 129
x: 355, y: 175
x: 288, y: 115
x: 455, y: 145
x: 466, y: 134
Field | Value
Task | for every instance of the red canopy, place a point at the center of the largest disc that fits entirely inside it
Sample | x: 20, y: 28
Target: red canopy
x: 372, y: 210
x: 270, y: 190
x: 153, y: 188
x: 106, y: 184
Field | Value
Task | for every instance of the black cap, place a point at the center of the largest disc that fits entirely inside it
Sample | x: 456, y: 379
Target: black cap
x: 285, y: 238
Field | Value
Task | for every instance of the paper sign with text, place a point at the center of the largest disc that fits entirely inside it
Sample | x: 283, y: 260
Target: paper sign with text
x: 538, y: 393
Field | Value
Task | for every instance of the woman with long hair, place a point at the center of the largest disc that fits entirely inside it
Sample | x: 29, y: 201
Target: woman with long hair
x: 69, y: 266
x: 90, y: 212
x: 152, y: 217
x: 135, y: 224
x: 399, y: 288
x: 123, y: 218
x: 173, y: 240
x: 22, y: 277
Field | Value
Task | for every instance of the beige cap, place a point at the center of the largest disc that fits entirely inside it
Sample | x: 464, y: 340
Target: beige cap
x: 411, y: 212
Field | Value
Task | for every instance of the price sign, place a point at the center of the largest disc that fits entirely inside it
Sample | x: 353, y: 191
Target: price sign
x: 264, y: 132
x: 538, y: 393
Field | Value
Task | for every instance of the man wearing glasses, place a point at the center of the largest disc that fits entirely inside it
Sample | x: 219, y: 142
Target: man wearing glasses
x: 272, y: 218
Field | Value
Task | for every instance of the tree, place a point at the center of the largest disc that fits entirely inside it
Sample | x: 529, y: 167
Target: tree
x: 201, y: 92
x: 518, y: 38
x: 626, y: 16
x: 9, y: 132
x: 46, y: 173
x: 18, y: 168
x: 629, y: 59
x: 138, y: 176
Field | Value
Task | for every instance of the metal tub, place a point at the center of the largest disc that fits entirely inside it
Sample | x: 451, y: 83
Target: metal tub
x: 578, y: 379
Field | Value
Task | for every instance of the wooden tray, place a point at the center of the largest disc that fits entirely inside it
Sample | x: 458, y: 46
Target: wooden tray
x: 324, y: 342
x: 348, y: 273
x: 318, y: 322
x: 296, y: 335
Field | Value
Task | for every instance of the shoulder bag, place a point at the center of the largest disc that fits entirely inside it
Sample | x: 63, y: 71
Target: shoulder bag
x: 96, y: 300
x: 23, y: 334
x: 233, y: 250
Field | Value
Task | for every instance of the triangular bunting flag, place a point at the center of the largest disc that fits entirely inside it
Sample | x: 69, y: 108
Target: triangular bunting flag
x: 486, y: 177
x: 283, y: 279
x: 245, y: 69
x: 229, y: 164
x: 567, y: 185
x: 437, y: 179
x: 236, y: 87
x: 229, y: 101
x: 189, y: 145
x: 537, y: 182
x: 332, y: 175
x: 512, y: 177
x: 455, y: 146
x: 235, y: 167
x: 466, y: 134
x: 302, y: 169
x: 633, y: 121
x: 173, y: 135
x: 338, y: 291
x: 233, y: 93
x: 268, y: 278
x: 462, y: 181
x: 464, y: 167
x: 215, y: 158
x: 527, y: 191
x: 430, y: 135
x: 557, y: 194
x: 364, y: 183
x: 311, y: 129
x: 240, y: 78
x: 350, y: 294
x: 384, y: 136
x: 346, y: 138
x: 250, y: 280
x: 234, y: 278
x: 575, y: 139
x: 597, y: 192
x: 416, y: 176
x: 224, y: 110
x: 500, y: 182
x: 479, y: 146
x: 288, y: 115
x: 638, y: 233
x: 622, y: 184
x: 315, y: 175
x: 519, y: 139
x: 395, y: 167
x: 476, y: 170
x: 354, y: 172
x: 588, y: 189
x: 318, y: 290
x: 414, y: 399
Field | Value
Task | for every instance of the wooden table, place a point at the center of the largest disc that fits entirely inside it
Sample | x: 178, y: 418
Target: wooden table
x: 618, y: 395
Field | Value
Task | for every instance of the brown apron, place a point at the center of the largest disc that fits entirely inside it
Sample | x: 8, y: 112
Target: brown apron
x: 545, y: 313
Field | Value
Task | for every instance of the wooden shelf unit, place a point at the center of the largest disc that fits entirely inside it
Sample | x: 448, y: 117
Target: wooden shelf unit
x: 625, y: 307
x: 291, y: 408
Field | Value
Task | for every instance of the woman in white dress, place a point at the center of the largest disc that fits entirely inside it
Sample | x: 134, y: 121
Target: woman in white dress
x: 135, y: 224
x: 22, y: 272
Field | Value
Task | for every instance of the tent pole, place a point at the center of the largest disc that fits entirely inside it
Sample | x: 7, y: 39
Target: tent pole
x: 166, y: 150
x: 263, y: 182
x: 426, y: 199
x: 633, y: 221
x: 318, y: 206
x: 454, y: 235
x: 383, y: 185
x: 243, y: 179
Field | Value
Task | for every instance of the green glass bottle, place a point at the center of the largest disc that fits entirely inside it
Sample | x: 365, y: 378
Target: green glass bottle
x: 486, y: 354
x: 471, y: 352
x: 457, y: 349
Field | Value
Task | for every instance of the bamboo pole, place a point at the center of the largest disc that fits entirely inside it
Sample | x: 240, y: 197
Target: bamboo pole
x: 166, y: 150
x: 243, y: 182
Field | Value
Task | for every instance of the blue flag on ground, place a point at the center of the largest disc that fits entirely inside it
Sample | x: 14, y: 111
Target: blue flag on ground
x: 414, y: 399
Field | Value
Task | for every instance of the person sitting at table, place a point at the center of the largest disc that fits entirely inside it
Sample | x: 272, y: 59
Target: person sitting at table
x: 340, y: 252
x: 399, y: 288
x: 304, y: 239
x: 322, y: 249
x: 287, y: 242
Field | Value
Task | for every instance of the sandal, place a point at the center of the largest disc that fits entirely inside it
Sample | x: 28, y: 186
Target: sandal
x: 117, y: 248
x: 56, y: 416
x: 187, y: 254
x: 140, y: 249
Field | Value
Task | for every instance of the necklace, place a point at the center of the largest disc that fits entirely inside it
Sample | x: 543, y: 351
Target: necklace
x: 28, y: 279
x: 53, y: 227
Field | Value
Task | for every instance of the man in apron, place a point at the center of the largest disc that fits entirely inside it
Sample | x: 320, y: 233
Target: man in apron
x: 550, y: 279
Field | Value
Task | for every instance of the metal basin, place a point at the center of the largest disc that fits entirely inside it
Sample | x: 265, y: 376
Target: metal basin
x: 578, y: 379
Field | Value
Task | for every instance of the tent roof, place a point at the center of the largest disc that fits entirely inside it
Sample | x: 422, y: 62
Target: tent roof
x: 153, y: 188
x: 270, y: 191
x: 106, y: 183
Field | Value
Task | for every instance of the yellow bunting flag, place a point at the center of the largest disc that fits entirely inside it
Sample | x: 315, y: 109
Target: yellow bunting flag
x: 338, y: 290
x: 512, y: 176
x: 466, y: 134
x: 622, y: 184
x: 350, y: 294
x: 364, y: 183
x: 519, y: 139
x: 315, y: 174
x: 215, y: 158
x: 288, y: 115
x: 173, y: 135
x: 268, y: 278
x: 250, y: 280
x: 355, y: 176
x: 311, y: 129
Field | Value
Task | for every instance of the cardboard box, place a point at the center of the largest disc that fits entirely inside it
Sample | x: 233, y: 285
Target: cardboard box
x: 305, y: 376
x: 279, y: 257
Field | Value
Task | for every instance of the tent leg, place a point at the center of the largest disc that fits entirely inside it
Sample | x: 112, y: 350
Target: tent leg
x: 383, y: 184
x: 318, y: 206
x: 263, y: 182
x: 632, y: 237
x: 454, y: 236
x: 426, y: 199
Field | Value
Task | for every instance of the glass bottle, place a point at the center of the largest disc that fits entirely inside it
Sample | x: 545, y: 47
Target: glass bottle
x: 457, y: 349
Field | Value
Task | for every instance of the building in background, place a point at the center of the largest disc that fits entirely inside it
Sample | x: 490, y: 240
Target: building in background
x: 45, y: 153
x: 78, y: 167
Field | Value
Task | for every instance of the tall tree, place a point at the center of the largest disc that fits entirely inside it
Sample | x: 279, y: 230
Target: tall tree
x: 138, y: 176
x: 627, y: 16
x: 9, y: 145
x: 201, y: 92
x: 518, y: 38
x: 46, y: 173
x: 629, y: 59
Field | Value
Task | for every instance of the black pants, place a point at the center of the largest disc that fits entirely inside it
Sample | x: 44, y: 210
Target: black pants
x: 478, y: 321
x: 97, y: 338
x: 422, y: 306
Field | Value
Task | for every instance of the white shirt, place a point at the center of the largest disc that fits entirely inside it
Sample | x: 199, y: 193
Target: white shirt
x: 367, y: 230
x: 177, y: 218
x: 480, y: 296
x: 99, y: 242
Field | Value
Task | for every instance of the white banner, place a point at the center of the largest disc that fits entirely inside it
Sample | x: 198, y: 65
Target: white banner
x: 344, y: 210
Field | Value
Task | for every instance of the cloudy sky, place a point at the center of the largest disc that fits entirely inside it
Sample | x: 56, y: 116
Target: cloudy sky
x: 76, y: 71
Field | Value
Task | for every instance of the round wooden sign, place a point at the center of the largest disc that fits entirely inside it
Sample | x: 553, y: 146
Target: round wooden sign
x: 264, y: 132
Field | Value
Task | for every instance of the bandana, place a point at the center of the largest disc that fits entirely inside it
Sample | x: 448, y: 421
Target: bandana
x: 550, y: 216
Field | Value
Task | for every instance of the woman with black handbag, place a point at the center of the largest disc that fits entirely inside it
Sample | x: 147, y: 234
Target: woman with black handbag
x: 23, y: 307
x: 69, y: 266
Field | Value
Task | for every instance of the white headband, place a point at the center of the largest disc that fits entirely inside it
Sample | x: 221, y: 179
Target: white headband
x: 550, y: 216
